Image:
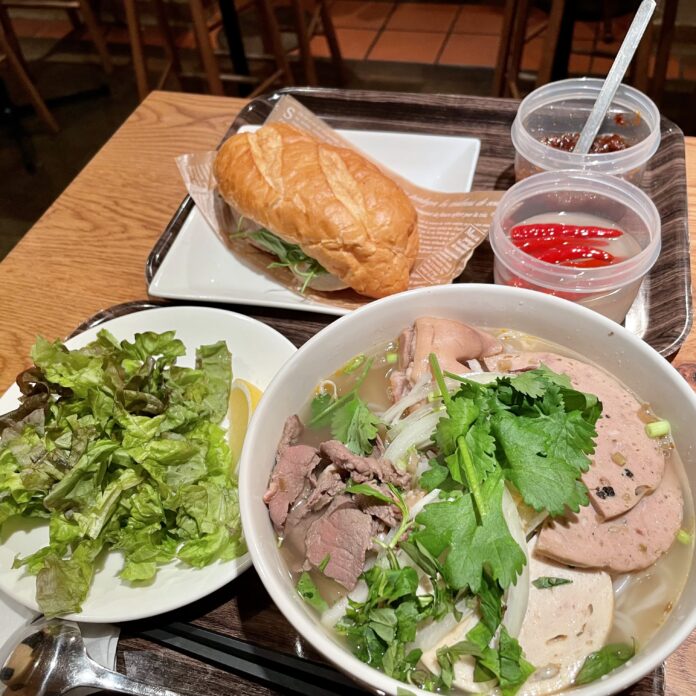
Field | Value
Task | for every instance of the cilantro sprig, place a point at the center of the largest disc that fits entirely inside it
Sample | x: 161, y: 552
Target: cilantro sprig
x: 351, y: 420
x: 532, y: 431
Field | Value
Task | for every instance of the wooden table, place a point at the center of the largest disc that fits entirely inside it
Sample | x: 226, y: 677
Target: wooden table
x: 88, y: 252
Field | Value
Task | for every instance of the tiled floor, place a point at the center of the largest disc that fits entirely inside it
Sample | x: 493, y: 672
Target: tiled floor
x: 452, y: 34
x: 432, y: 33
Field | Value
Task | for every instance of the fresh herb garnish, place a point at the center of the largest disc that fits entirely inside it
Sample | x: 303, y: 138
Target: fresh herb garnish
x: 396, y: 498
x: 310, y: 593
x: 545, y: 582
x: 379, y: 628
x: 603, y: 661
x: 351, y: 421
x: 534, y: 431
x: 125, y: 453
x: 355, y: 426
x: 289, y: 256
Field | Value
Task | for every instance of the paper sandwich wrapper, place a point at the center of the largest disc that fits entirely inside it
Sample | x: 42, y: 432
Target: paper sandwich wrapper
x: 450, y: 225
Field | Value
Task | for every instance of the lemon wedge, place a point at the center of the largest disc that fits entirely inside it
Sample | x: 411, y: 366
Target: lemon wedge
x: 244, y: 397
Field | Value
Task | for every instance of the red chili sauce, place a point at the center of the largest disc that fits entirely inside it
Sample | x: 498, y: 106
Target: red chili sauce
x: 609, y: 142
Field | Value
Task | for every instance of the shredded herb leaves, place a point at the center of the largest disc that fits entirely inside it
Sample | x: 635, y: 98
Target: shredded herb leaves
x: 310, y: 592
x: 289, y: 256
x: 350, y: 419
x: 603, y: 661
x: 532, y: 431
x: 125, y: 453
x: 546, y: 583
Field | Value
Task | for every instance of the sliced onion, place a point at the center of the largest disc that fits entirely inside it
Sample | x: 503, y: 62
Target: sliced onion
x: 404, y: 423
x: 416, y: 436
x: 432, y: 633
x: 423, y: 465
x: 481, y: 377
x: 420, y: 391
x: 517, y: 595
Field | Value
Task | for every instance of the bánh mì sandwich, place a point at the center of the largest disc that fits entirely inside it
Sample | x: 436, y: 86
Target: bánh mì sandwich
x: 325, y: 212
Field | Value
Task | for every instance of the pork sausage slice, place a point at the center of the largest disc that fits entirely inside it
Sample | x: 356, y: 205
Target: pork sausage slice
x: 630, y: 542
x: 563, y: 624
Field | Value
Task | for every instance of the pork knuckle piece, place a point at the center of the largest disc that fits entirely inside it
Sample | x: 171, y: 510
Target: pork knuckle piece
x: 453, y: 342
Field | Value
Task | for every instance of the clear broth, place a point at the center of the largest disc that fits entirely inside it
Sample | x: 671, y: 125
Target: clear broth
x: 643, y: 600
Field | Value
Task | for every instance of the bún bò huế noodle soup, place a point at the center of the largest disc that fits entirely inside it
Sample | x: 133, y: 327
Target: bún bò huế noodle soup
x: 481, y: 511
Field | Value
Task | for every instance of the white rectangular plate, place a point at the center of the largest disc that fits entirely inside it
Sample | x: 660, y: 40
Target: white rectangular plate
x: 200, y: 267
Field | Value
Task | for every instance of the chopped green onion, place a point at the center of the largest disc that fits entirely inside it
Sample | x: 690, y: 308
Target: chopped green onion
x: 353, y: 364
x: 657, y: 429
x: 683, y: 537
x: 391, y: 358
x: 433, y: 396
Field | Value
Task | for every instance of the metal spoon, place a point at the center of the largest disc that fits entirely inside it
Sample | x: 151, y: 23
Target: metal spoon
x: 52, y: 660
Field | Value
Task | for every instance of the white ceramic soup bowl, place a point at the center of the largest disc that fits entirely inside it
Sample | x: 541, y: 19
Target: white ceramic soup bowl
x: 601, y: 340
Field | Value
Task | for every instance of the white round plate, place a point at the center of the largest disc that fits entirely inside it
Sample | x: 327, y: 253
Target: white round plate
x: 258, y: 352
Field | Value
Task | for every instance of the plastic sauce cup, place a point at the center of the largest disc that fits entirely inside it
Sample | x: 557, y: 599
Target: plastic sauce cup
x: 610, y: 290
x: 563, y: 107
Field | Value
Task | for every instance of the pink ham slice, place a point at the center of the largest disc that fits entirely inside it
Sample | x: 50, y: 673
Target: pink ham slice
x: 631, y: 542
x: 627, y: 464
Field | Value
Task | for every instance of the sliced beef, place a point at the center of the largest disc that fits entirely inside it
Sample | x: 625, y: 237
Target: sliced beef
x: 633, y: 541
x: 390, y: 515
x: 297, y: 525
x: 290, y: 479
x: 398, y: 377
x: 292, y: 430
x: 329, y: 485
x: 627, y: 464
x: 342, y: 534
x: 363, y: 469
x: 407, y: 347
x: 453, y: 342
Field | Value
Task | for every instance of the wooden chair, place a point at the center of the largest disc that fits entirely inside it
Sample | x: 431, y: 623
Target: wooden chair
x: 659, y: 36
x: 16, y: 65
x: 138, y: 51
x: 307, y: 25
x: 74, y: 8
x: 513, y: 38
x: 203, y: 28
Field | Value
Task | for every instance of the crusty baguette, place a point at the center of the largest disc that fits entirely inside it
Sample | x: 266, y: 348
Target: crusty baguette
x: 339, y: 208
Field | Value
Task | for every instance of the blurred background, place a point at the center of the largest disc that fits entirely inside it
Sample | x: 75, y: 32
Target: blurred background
x: 73, y: 70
